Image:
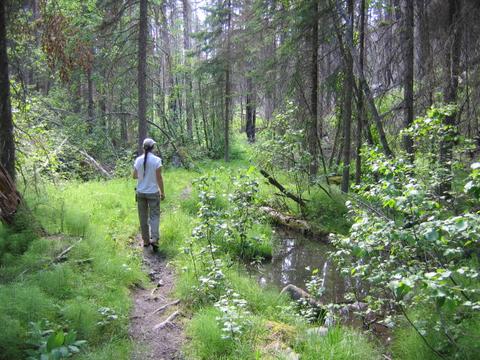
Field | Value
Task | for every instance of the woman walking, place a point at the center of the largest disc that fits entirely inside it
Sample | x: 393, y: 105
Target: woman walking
x: 148, y: 171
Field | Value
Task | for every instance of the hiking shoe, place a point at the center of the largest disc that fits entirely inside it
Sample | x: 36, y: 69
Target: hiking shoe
x: 155, y: 248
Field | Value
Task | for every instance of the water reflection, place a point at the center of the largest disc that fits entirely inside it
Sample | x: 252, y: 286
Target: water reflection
x: 293, y: 254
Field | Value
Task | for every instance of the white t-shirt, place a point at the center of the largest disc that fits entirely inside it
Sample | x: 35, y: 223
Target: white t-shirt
x: 147, y: 184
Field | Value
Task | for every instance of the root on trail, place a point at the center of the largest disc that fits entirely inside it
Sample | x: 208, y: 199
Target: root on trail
x: 156, y: 339
x: 168, y: 321
x: 162, y: 308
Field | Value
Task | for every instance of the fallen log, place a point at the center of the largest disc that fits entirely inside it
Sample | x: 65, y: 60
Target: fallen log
x: 346, y: 309
x: 63, y: 255
x: 44, y: 265
x: 282, y: 189
x: 181, y: 157
x: 286, y: 220
x: 297, y: 293
x: 95, y: 164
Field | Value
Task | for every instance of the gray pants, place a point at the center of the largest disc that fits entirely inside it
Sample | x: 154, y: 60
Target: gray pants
x: 149, y: 214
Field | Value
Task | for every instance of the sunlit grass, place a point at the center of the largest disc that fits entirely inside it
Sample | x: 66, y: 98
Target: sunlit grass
x: 338, y: 344
x: 99, y: 218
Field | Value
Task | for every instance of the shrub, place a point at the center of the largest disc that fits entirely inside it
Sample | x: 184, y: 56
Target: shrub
x: 410, y: 248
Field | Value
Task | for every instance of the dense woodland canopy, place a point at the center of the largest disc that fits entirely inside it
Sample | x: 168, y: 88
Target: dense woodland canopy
x: 322, y: 93
x: 100, y: 75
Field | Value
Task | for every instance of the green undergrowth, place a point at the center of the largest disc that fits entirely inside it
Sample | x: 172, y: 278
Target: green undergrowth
x: 325, y: 208
x: 220, y: 294
x: 408, y: 345
x: 88, y: 292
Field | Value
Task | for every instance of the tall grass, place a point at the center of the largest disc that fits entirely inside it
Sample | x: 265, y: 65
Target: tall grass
x: 337, y: 344
x: 99, y: 219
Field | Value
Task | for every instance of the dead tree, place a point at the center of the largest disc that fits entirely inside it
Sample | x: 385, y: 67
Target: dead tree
x: 10, y: 199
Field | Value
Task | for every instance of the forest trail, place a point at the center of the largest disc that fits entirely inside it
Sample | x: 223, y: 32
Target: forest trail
x: 156, y: 337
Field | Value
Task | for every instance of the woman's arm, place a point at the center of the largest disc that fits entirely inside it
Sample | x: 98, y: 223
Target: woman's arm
x: 158, y: 174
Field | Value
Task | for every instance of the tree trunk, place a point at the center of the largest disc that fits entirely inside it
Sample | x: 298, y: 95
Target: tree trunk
x: 408, y: 63
x: 203, y: 112
x: 7, y: 143
x: 452, y: 72
x: 360, y: 105
x: 251, y: 111
x: 9, y: 197
x: 91, y: 105
x: 123, y: 126
x: 142, y: 74
x: 312, y: 127
x: 366, y: 90
x: 424, y: 56
x: 347, y: 108
x: 227, y: 86
x: 187, y: 14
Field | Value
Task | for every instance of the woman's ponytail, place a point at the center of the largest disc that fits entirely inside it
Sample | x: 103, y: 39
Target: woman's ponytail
x: 147, y: 150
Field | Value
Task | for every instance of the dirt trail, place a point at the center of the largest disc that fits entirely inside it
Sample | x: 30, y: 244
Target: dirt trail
x: 156, y: 324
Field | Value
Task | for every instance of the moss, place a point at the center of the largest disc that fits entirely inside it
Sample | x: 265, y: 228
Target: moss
x: 280, y: 331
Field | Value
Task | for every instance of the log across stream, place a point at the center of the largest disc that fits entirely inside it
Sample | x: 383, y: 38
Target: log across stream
x: 294, y: 258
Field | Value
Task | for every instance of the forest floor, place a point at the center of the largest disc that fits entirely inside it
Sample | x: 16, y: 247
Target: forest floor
x: 155, y: 325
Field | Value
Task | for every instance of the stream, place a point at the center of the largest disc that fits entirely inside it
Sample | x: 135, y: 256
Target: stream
x: 295, y: 256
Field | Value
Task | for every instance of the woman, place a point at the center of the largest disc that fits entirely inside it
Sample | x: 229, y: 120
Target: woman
x: 148, y: 171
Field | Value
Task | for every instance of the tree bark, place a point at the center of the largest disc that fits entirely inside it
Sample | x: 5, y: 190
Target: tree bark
x: 347, y: 108
x: 123, y: 126
x: 227, y: 86
x: 91, y: 105
x: 452, y: 72
x: 142, y: 74
x: 408, y: 65
x: 187, y: 14
x: 251, y: 111
x: 9, y: 197
x: 360, y: 104
x: 7, y: 143
x: 312, y: 128
x: 282, y: 189
x: 364, y: 85
x: 424, y: 56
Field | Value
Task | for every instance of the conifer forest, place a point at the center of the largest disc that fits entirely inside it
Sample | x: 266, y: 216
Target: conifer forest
x: 240, y: 179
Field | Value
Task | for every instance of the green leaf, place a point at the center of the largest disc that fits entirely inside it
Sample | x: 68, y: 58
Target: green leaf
x: 440, y: 301
x: 55, y: 340
x: 73, y: 349
x: 432, y: 235
x: 358, y: 252
x: 401, y: 288
x: 461, y: 225
x: 70, y: 338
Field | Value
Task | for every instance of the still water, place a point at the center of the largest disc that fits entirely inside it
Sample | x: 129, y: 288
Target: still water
x: 294, y: 258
